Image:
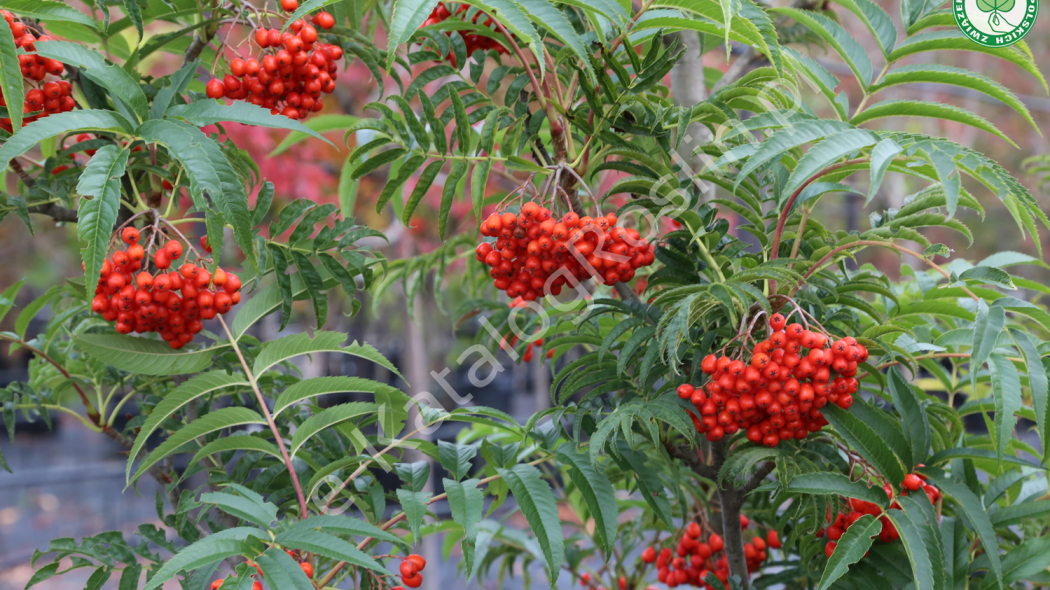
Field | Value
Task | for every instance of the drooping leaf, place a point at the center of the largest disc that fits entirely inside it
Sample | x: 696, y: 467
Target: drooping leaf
x: 881, y: 157
x: 287, y: 347
x: 836, y: 484
x: 210, y: 112
x: 975, y: 513
x: 1006, y: 388
x: 864, y: 440
x: 260, y: 513
x: 406, y: 17
x: 537, y: 503
x: 11, y: 85
x: 92, y: 64
x: 850, y: 549
x: 58, y: 124
x: 467, y: 503
x: 986, y: 330
x: 46, y: 10
x: 915, y: 547
x: 145, y: 356
x: 935, y: 110
x: 306, y: 539
x: 913, y: 415
x: 598, y: 494
x: 96, y: 216
x: 414, y: 504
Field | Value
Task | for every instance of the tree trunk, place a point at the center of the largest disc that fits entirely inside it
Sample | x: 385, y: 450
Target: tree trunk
x: 732, y: 499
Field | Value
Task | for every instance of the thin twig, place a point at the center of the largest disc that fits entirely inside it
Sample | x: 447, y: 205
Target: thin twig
x: 269, y: 418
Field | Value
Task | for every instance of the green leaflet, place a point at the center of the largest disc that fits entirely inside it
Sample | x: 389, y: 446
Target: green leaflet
x: 143, y: 355
x: 467, y: 503
x: 882, y: 156
x: 975, y: 513
x: 186, y: 393
x: 836, y: 484
x: 862, y: 438
x: 281, y: 571
x: 831, y: 32
x: 944, y: 74
x: 1006, y: 387
x: 260, y: 513
x: 327, y: 545
x: 294, y: 345
x: 210, y: 112
x: 913, y: 415
x: 326, y: 419
x: 208, y: 550
x: 407, y: 17
x: 537, y: 503
x: 11, y: 84
x: 92, y: 64
x: 46, y: 10
x: 918, y: 108
x: 97, y: 215
x: 597, y: 492
x: 58, y: 124
x: 217, y: 420
x: 850, y: 549
x: 828, y: 151
x: 918, y: 557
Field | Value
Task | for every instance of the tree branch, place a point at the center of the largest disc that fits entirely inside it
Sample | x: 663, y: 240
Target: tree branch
x: 756, y: 479
x: 687, y: 454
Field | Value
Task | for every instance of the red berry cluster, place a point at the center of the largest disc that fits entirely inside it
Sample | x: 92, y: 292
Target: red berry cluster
x: 171, y: 303
x: 49, y: 98
x: 410, y: 572
x: 779, y: 394
x: 693, y: 558
x: 913, y: 482
x: 293, y: 73
x: 473, y: 41
x: 531, y: 247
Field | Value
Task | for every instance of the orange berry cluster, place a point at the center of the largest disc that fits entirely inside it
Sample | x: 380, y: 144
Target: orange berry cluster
x: 410, y: 572
x: 531, y: 247
x: 293, y: 73
x: 913, y: 482
x: 473, y: 41
x: 779, y: 394
x: 52, y: 97
x: 693, y: 558
x: 170, y: 303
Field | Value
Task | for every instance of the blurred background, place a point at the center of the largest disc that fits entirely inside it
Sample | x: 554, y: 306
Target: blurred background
x: 69, y: 482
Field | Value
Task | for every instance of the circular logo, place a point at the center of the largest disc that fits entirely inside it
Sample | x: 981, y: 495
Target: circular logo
x: 995, y: 23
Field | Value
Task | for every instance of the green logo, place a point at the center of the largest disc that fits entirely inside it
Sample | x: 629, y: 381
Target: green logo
x: 995, y: 23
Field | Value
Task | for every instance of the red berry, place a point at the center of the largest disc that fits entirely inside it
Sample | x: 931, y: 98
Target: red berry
x: 421, y: 563
x: 130, y: 235
x: 325, y: 20
x: 308, y: 569
x: 408, y: 569
x: 215, y: 88
x: 174, y: 249
x: 289, y: 5
x: 912, y: 482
